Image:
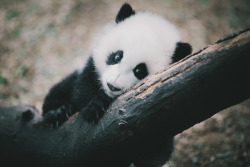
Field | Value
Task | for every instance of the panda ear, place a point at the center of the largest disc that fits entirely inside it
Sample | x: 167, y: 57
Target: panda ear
x: 125, y: 12
x: 182, y: 50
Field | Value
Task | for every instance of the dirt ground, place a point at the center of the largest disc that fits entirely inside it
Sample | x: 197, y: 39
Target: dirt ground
x: 42, y: 41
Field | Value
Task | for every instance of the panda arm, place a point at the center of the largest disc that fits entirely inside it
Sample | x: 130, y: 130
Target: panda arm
x: 77, y: 92
x: 56, y: 106
x: 88, y: 97
x: 95, y: 109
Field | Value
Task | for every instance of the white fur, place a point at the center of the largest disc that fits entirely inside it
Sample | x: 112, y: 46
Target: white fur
x: 143, y: 38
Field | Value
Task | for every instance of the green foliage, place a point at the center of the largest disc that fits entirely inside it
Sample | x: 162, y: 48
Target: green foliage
x: 16, y: 31
x: 3, y: 80
x: 68, y: 17
x: 203, y: 2
x: 11, y: 14
x: 22, y: 71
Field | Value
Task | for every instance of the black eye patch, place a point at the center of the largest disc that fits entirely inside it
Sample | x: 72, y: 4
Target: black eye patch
x: 140, y: 71
x: 115, y: 57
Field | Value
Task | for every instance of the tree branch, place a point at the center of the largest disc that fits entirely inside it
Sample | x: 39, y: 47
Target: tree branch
x: 164, y: 105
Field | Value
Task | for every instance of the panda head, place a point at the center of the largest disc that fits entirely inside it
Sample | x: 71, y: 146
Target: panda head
x: 133, y: 47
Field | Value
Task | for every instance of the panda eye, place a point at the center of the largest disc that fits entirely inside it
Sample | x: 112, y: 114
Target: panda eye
x: 140, y: 71
x: 115, y: 57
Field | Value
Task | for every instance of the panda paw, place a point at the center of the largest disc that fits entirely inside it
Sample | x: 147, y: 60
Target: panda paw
x: 57, y: 117
x: 93, y: 112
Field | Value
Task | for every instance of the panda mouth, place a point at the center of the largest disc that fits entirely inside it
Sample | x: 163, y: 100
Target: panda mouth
x: 112, y: 91
x: 113, y: 88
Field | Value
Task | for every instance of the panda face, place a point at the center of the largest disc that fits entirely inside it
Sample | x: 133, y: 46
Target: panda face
x: 121, y: 74
x: 129, y: 51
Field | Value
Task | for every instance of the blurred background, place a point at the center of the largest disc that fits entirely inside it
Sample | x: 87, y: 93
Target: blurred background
x: 43, y: 41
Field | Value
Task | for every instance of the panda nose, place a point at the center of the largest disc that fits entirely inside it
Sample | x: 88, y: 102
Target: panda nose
x: 112, y: 88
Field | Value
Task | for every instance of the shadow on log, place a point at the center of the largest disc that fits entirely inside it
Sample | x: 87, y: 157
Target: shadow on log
x: 164, y: 105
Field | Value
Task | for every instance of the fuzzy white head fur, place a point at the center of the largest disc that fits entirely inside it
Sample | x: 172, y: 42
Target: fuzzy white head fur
x: 143, y: 38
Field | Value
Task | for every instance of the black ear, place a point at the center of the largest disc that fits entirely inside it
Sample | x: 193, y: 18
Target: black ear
x: 182, y: 50
x: 125, y: 12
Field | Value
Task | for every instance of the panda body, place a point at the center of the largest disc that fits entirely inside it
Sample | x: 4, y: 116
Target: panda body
x: 133, y: 47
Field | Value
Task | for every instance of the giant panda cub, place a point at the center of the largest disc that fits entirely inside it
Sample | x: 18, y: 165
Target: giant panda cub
x: 134, y: 46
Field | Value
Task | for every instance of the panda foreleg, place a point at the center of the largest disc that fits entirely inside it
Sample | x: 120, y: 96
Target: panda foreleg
x: 96, y: 108
x: 57, y: 107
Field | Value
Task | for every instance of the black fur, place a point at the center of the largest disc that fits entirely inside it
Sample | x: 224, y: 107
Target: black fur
x: 82, y: 92
x: 112, y: 59
x: 182, y: 50
x: 141, y: 71
x: 56, y: 105
x: 125, y: 12
x: 78, y: 92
